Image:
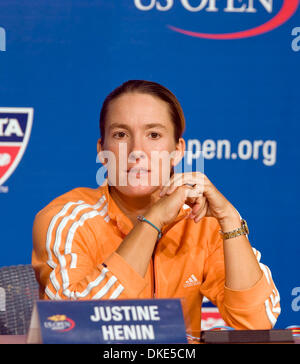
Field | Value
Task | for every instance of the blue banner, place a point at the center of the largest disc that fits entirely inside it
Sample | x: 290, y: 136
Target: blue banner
x: 234, y: 66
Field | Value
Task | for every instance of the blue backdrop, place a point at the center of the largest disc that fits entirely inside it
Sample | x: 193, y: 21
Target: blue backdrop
x: 239, y: 92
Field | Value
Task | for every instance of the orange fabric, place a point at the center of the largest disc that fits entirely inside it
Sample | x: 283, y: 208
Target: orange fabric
x: 77, y: 232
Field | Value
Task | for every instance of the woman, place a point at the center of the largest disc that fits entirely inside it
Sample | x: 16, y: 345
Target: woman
x: 147, y: 236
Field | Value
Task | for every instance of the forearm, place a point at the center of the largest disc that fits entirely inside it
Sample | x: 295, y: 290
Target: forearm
x: 137, y: 247
x: 242, y: 270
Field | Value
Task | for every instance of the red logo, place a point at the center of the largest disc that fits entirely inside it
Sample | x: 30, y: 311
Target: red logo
x: 287, y: 10
x: 210, y: 318
x: 15, y: 129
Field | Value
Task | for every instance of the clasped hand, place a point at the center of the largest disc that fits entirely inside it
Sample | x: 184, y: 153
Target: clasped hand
x: 196, y: 190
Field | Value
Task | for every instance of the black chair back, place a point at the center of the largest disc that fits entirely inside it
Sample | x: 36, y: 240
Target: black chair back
x: 18, y: 292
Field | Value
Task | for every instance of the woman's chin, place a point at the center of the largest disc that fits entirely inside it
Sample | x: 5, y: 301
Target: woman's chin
x: 137, y: 191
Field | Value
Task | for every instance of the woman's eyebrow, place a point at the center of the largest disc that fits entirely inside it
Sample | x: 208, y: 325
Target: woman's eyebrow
x: 155, y: 125
x: 118, y: 125
x: 147, y: 126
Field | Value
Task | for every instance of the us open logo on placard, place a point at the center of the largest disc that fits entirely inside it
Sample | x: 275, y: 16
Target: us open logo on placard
x: 237, y: 7
x: 59, y: 323
x: 15, y: 130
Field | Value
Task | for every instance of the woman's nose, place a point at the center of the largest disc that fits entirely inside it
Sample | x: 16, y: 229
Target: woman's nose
x: 136, y: 151
x: 136, y: 155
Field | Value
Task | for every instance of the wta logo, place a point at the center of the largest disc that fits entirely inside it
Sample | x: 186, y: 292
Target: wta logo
x: 250, y: 7
x: 15, y: 130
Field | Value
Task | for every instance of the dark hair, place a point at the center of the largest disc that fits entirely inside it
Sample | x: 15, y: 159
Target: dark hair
x: 150, y: 88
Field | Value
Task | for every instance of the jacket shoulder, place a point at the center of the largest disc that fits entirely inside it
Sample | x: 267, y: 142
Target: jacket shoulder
x: 86, y: 197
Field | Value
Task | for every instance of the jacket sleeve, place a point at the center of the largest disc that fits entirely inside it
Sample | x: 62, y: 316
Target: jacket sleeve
x: 255, y: 308
x: 68, y: 265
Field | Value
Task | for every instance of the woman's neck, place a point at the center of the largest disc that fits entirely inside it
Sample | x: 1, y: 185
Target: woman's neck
x: 133, y: 206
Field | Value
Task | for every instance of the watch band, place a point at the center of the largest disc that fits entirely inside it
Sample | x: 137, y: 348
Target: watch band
x: 243, y: 230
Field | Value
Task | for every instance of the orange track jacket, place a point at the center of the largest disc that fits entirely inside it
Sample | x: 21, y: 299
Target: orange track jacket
x: 81, y: 229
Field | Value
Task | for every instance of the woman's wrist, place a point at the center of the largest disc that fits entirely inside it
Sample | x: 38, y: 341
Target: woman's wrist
x: 152, y: 216
x: 230, y: 221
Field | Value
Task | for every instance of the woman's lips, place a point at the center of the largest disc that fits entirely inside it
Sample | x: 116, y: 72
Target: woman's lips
x: 138, y: 170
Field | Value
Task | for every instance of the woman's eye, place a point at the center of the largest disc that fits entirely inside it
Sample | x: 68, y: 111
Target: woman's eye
x: 119, y: 134
x: 154, y: 135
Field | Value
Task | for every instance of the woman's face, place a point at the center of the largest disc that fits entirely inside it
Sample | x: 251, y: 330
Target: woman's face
x: 139, y: 134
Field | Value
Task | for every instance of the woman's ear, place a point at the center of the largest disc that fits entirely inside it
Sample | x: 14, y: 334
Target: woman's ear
x: 179, y: 152
x: 99, y: 150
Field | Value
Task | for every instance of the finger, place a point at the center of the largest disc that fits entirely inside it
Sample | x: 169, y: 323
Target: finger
x: 181, y: 178
x: 166, y: 186
x: 192, y: 191
x: 163, y: 191
x: 170, y: 187
x: 196, y: 191
x: 186, y: 178
x: 194, y: 180
x: 189, y: 189
x: 202, y: 213
x: 197, y: 207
